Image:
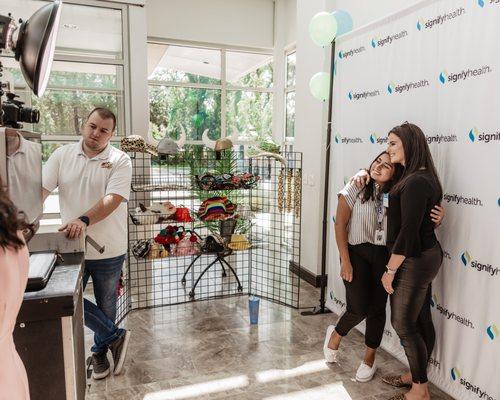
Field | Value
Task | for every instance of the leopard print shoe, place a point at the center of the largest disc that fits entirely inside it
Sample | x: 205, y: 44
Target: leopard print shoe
x: 400, y: 396
x: 396, y: 381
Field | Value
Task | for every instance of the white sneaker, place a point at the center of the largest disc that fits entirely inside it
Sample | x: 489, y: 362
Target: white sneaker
x: 330, y: 354
x: 365, y: 372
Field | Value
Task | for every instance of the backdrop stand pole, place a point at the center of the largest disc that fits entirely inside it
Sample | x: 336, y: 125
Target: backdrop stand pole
x: 321, y: 309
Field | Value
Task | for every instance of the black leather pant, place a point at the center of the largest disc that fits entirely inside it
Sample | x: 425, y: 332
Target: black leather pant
x: 365, y: 295
x: 410, y: 309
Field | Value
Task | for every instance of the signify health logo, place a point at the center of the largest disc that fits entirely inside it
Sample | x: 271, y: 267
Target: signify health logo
x: 480, y: 136
x: 435, y: 363
x: 454, y: 77
x: 336, y: 300
x: 376, y: 139
x: 389, y: 39
x: 346, y: 140
x: 434, y: 300
x: 482, y: 3
x: 456, y: 376
x: 446, y: 313
x: 398, y: 88
x: 439, y: 20
x: 438, y: 138
x: 344, y: 54
x: 460, y: 199
x: 354, y: 96
x: 468, y: 261
x: 492, y: 331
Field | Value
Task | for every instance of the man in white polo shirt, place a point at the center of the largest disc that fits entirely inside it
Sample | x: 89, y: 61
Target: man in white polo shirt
x: 94, y: 179
x: 24, y: 160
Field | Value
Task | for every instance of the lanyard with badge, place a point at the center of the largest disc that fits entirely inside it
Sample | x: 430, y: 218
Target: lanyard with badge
x: 380, y: 233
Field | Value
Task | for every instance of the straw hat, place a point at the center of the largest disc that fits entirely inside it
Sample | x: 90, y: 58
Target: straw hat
x: 239, y: 242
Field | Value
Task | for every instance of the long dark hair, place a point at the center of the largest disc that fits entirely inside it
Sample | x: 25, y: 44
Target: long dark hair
x: 369, y: 190
x: 417, y: 155
x: 11, y: 221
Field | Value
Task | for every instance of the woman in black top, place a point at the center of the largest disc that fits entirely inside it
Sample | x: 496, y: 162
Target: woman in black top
x: 416, y: 254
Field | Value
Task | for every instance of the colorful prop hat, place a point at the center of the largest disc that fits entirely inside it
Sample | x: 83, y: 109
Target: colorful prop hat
x: 216, y: 208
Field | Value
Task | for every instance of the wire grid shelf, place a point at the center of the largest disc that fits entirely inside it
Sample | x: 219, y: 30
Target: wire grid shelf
x: 258, y: 200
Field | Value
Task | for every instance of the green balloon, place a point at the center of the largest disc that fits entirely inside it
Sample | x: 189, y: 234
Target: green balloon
x: 323, y: 28
x: 320, y: 86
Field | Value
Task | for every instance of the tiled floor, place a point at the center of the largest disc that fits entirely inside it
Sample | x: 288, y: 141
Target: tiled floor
x: 208, y: 350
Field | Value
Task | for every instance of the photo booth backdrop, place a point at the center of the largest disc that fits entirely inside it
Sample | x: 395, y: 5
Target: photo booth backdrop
x: 436, y: 64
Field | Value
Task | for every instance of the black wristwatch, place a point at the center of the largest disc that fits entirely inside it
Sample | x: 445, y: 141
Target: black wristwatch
x: 84, y: 219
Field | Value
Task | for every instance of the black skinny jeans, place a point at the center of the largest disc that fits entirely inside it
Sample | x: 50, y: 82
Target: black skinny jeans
x: 411, y: 311
x: 365, y: 295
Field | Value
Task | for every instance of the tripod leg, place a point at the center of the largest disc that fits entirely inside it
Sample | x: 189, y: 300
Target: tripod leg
x: 191, y: 293
x: 183, y: 280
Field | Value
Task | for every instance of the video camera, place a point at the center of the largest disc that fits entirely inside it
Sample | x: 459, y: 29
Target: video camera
x: 13, y: 112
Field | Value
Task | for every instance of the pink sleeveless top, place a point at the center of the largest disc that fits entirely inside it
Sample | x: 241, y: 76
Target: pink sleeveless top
x: 13, y: 277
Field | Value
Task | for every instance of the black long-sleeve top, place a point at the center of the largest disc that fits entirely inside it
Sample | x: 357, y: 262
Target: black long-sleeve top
x: 410, y: 229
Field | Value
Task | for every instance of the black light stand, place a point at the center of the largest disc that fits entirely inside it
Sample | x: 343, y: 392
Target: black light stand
x: 320, y: 309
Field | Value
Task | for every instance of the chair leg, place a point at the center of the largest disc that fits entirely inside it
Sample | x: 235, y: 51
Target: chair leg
x: 240, y: 288
x: 223, y: 269
x: 191, y: 293
x: 183, y: 280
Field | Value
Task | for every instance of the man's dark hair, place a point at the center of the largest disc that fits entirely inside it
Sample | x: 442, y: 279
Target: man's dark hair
x: 104, y: 113
x: 11, y: 221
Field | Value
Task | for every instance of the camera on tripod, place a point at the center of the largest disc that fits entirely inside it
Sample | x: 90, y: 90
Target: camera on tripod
x: 13, y: 112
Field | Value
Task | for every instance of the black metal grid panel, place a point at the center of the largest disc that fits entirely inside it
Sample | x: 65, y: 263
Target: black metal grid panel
x: 274, y: 234
x: 277, y: 231
x: 123, y: 306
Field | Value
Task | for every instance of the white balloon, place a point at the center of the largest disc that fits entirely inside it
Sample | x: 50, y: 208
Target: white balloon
x: 320, y: 86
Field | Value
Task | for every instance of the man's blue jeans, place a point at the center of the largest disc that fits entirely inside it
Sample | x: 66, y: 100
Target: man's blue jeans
x: 100, y: 318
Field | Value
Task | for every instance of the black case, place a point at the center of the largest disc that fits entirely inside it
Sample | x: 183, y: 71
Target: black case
x: 41, y: 266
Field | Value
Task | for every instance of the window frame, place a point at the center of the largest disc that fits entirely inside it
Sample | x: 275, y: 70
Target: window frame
x: 288, y: 140
x: 124, y: 109
x: 224, y: 85
x: 123, y: 62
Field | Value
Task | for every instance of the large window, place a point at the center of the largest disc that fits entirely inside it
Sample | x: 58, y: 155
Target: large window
x: 215, y: 89
x: 291, y: 62
x: 88, y: 71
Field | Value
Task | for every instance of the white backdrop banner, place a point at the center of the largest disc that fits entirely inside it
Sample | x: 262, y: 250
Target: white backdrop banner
x: 436, y: 64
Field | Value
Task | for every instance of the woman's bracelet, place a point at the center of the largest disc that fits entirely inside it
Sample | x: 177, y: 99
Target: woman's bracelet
x: 390, y: 271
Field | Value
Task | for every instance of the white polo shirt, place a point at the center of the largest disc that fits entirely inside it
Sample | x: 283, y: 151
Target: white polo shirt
x: 82, y: 182
x: 25, y: 178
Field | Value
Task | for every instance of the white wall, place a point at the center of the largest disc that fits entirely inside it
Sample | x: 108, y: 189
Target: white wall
x: 290, y: 18
x: 363, y: 12
x: 311, y: 114
x: 309, y: 126
x: 139, y: 100
x: 247, y: 23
